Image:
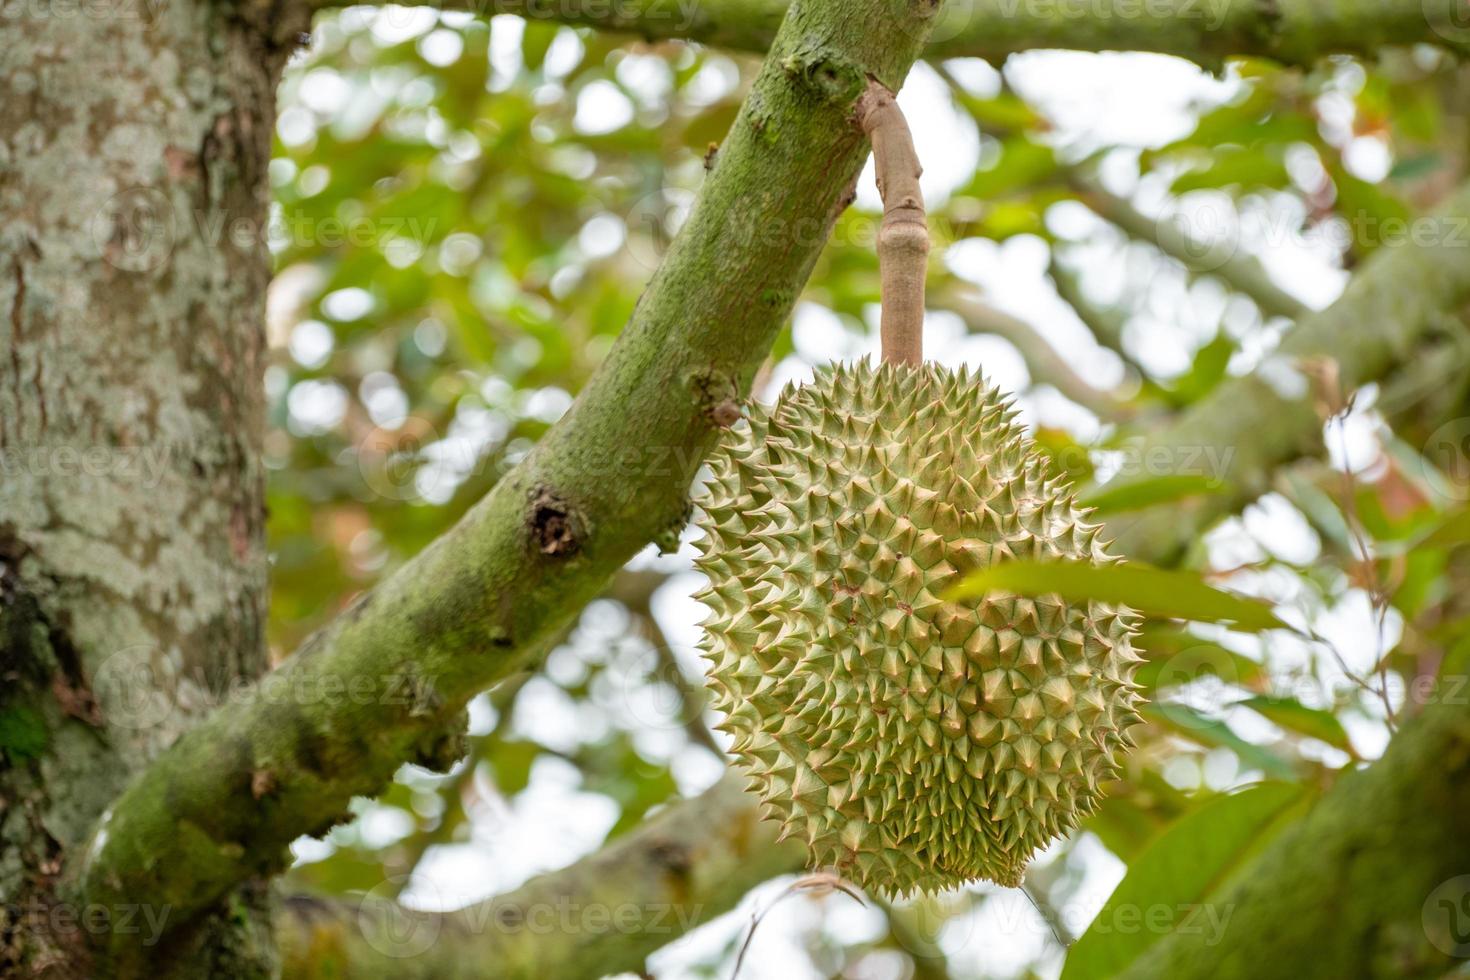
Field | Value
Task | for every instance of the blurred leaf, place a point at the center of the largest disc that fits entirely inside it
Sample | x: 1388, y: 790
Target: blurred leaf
x: 1412, y: 168
x: 1176, y: 875
x: 1451, y: 532
x: 1374, y: 216
x: 1185, y: 721
x: 1296, y: 717
x: 1205, y: 372
x: 1021, y: 163
x: 1069, y: 457
x: 1145, y: 492
x: 1002, y: 113
x: 1245, y: 169
x: 1134, y: 811
x: 536, y: 41
x: 711, y: 125
x: 1173, y: 658
x: 511, y: 763
x: 1151, y: 591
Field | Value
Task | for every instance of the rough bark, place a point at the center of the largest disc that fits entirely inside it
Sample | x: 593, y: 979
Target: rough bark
x: 600, y: 916
x: 133, y: 144
x: 1293, y: 32
x: 388, y: 681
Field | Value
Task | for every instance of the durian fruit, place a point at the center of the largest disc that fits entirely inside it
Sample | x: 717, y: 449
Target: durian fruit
x: 913, y: 742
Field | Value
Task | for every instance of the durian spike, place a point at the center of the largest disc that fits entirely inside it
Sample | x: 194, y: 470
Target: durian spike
x: 903, y: 237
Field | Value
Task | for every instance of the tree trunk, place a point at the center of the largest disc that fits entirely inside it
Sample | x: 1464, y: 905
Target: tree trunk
x: 134, y: 139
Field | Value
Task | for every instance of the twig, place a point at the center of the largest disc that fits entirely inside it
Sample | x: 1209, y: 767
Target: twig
x: 820, y: 882
x: 1240, y: 270
x: 903, y: 237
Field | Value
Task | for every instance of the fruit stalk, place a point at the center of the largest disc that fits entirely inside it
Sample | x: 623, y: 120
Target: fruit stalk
x: 903, y: 237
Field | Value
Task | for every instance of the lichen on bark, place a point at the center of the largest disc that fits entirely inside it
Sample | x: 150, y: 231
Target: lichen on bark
x: 132, y: 571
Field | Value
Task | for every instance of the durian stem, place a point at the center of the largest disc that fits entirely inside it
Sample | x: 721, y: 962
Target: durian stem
x: 903, y: 238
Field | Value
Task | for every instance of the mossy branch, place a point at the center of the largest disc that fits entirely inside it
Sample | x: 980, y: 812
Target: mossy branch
x: 602, y: 915
x: 387, y: 682
x: 1293, y: 32
x: 1393, y: 830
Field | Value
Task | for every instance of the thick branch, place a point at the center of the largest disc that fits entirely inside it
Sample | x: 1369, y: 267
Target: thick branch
x: 1391, y: 831
x: 600, y: 916
x: 1346, y: 891
x: 387, y: 682
x: 1294, y: 32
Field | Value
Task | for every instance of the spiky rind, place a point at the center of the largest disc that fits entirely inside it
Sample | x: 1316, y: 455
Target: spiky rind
x: 913, y: 742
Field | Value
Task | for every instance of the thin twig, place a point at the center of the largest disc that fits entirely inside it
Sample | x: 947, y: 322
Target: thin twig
x: 818, y: 882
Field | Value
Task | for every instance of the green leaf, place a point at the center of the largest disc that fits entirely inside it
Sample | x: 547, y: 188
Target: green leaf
x: 1245, y: 169
x: 1173, y: 658
x: 1145, y: 492
x: 1188, y: 723
x: 1170, y: 883
x: 1138, y: 809
x: 1296, y: 717
x: 536, y: 41
x: 1021, y: 163
x: 1151, y: 591
x: 1452, y: 531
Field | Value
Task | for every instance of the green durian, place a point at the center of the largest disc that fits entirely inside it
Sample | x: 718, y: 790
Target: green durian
x: 912, y: 742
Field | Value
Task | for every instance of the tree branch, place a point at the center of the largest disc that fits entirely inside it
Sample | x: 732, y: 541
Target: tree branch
x: 600, y: 916
x: 1251, y: 424
x: 387, y: 682
x: 1345, y: 891
x: 1221, y: 257
x: 1293, y: 32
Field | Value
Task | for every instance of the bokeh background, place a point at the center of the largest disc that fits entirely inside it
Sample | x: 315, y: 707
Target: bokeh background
x: 465, y: 213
